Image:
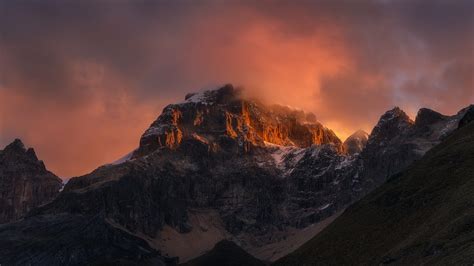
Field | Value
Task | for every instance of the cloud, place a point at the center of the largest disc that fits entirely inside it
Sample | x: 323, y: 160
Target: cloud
x: 80, y: 81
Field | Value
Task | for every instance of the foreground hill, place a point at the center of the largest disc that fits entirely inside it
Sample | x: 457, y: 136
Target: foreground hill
x: 225, y: 253
x: 424, y: 215
x: 25, y: 183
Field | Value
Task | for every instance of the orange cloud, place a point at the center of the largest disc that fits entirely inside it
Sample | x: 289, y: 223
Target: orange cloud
x: 80, y: 82
x: 75, y: 140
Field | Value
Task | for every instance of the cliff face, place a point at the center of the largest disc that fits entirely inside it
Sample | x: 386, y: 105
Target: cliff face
x: 219, y: 150
x: 422, y: 216
x: 264, y: 172
x: 397, y: 141
x: 24, y: 182
x: 222, y: 120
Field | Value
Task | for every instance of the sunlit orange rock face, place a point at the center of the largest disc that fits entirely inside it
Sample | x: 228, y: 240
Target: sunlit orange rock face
x: 223, y: 119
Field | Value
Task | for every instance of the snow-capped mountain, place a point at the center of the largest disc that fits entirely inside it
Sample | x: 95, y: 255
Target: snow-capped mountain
x: 221, y: 166
x: 222, y: 120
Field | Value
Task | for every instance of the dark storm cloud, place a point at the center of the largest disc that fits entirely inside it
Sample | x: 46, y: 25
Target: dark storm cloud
x: 88, y: 68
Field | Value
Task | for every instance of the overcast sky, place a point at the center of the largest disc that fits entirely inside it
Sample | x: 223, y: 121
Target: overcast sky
x: 81, y: 80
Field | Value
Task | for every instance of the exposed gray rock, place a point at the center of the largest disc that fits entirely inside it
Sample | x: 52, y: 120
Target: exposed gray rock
x: 24, y: 182
x: 396, y: 141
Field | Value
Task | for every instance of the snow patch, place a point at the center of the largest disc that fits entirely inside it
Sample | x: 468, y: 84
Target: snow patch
x: 450, y: 126
x: 324, y: 206
x: 284, y: 155
x: 344, y: 163
x: 205, y: 97
x: 198, y: 97
x: 64, y: 183
x: 315, y: 152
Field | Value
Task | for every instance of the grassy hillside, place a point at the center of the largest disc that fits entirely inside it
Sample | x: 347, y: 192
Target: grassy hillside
x: 422, y: 216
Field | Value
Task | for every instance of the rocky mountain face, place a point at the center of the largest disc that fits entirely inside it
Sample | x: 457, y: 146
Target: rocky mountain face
x: 216, y: 151
x: 221, y: 166
x: 223, y: 120
x: 356, y: 142
x: 397, y: 141
x: 422, y: 216
x: 24, y: 182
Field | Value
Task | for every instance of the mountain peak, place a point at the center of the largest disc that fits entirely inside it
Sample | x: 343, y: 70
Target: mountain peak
x: 427, y: 116
x: 394, y: 113
x: 24, y: 180
x: 17, y: 148
x: 359, y: 133
x: 394, y: 116
x: 356, y: 142
x: 16, y: 145
x: 223, y: 94
x: 222, y: 119
x: 390, y: 125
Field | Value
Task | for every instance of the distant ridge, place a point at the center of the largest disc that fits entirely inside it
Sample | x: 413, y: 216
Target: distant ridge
x: 422, y: 216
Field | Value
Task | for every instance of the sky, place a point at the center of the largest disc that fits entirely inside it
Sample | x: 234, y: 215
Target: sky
x: 80, y: 81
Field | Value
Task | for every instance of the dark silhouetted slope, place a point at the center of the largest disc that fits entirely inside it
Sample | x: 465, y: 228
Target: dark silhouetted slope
x: 424, y: 215
x: 225, y: 253
x: 67, y: 239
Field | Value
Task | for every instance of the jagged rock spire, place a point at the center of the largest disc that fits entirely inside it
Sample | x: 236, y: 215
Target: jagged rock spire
x: 25, y: 181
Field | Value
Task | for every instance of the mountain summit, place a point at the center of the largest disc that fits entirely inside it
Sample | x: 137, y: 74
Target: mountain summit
x: 356, y: 142
x: 223, y: 119
x: 24, y: 182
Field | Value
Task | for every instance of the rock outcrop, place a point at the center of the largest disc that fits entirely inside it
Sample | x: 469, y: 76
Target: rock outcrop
x: 397, y: 141
x: 24, y: 182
